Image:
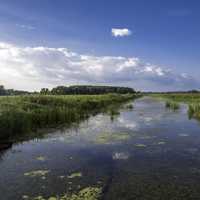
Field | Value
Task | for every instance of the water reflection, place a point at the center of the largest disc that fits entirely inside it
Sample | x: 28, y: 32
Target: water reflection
x: 147, y: 152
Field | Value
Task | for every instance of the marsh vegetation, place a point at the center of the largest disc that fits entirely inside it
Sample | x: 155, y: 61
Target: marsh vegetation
x: 144, y: 146
x: 191, y: 99
x: 24, y: 114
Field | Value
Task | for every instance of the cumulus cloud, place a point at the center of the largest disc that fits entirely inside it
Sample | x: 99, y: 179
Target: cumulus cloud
x: 117, y: 32
x: 36, y: 67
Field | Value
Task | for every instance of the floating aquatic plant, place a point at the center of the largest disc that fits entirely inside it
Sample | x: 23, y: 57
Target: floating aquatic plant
x: 89, y: 193
x: 107, y: 137
x: 25, y: 197
x: 41, y: 158
x: 37, y: 173
x: 76, y: 174
x: 140, y: 145
x: 161, y: 143
x: 39, y: 198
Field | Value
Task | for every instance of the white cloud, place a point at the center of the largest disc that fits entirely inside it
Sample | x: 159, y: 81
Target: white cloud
x: 117, y: 32
x: 36, y: 67
x: 23, y: 26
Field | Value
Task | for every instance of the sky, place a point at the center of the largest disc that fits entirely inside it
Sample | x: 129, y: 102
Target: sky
x: 148, y: 45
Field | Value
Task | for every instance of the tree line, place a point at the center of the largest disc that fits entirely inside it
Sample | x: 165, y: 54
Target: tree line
x: 86, y: 89
x: 10, y: 92
x: 67, y: 90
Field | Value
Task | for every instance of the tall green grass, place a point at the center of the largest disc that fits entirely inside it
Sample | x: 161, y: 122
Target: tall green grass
x: 172, y: 105
x: 192, y: 99
x: 24, y: 114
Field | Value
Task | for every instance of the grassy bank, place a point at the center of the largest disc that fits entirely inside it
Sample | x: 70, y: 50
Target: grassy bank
x: 192, y: 99
x: 24, y: 114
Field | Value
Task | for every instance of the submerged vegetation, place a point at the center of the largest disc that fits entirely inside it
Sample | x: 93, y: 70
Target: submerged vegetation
x: 109, y: 137
x: 25, y: 114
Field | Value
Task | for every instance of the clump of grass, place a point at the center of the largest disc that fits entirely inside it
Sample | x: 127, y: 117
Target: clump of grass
x: 172, y: 105
x: 192, y: 99
x: 194, y: 110
x: 129, y: 106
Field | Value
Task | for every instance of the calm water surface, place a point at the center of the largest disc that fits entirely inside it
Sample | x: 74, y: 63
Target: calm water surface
x: 146, y: 153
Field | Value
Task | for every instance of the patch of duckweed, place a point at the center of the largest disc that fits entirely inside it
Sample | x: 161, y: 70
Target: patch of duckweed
x: 25, y: 197
x: 52, y: 198
x: 75, y: 175
x: 39, y: 198
x: 41, y: 158
x: 37, y: 173
x: 107, y: 137
x: 140, y: 145
x: 161, y: 143
x: 89, y: 193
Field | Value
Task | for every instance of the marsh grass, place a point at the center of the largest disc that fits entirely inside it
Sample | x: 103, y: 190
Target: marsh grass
x: 192, y: 99
x: 172, y: 105
x: 24, y: 114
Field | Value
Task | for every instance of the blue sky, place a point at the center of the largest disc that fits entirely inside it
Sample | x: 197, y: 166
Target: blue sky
x: 164, y: 35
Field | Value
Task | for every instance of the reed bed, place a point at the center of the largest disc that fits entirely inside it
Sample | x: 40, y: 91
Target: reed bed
x: 172, y: 105
x: 24, y: 114
x: 192, y: 99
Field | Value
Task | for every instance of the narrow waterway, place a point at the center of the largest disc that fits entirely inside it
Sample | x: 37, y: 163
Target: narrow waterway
x: 145, y: 153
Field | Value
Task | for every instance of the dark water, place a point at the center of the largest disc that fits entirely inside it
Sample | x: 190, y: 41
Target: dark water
x: 147, y: 153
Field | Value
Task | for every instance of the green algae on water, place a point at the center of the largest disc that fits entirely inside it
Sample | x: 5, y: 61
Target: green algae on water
x: 39, y: 198
x: 89, y: 193
x: 41, y: 158
x: 161, y: 143
x: 107, y: 137
x: 25, y: 197
x: 37, y: 173
x: 52, y: 198
x: 75, y: 175
x: 140, y: 145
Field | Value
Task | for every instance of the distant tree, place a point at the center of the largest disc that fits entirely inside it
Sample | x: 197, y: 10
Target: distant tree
x: 2, y: 90
x: 88, y: 89
x: 44, y: 91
